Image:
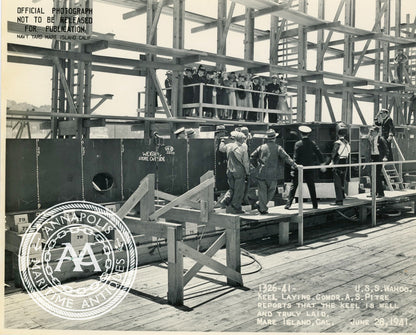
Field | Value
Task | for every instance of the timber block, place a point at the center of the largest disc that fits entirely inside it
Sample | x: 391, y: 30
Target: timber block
x: 284, y: 233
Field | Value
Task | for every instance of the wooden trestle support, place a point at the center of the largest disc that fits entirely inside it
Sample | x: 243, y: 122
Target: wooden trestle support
x: 197, y: 206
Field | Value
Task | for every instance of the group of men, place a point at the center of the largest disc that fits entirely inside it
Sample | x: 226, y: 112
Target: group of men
x: 266, y: 160
x: 264, y: 163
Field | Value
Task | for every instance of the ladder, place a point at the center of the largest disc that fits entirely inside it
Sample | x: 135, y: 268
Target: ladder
x: 392, y: 176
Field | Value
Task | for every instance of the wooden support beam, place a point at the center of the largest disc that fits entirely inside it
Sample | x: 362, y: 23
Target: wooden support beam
x: 192, y: 215
x: 134, y: 199
x: 139, y: 11
x: 156, y: 18
x: 170, y: 197
x: 330, y: 109
x: 221, y: 19
x: 358, y: 109
x: 302, y: 59
x: 182, y: 197
x: 160, y: 93
x: 140, y: 227
x: 319, y: 65
x: 175, y: 266
x: 217, y: 245
x: 65, y: 85
x: 103, y: 99
x: 330, y: 33
x: 96, y: 46
x: 376, y: 27
x: 207, y: 197
x: 317, y: 76
x: 85, y: 57
x: 147, y: 203
x: 93, y: 123
x: 233, y: 252
x: 249, y: 35
x: 230, y: 273
x: 223, y: 40
x: 178, y: 43
x: 257, y: 13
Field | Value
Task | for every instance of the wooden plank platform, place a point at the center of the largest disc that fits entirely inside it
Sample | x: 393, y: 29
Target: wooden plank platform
x: 331, y: 262
x: 279, y: 213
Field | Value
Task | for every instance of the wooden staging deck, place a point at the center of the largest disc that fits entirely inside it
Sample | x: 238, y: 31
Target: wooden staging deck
x: 333, y: 261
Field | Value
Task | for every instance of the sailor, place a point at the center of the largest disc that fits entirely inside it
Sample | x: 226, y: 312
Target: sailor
x: 339, y: 155
x: 378, y: 153
x: 384, y: 120
x: 304, y: 154
x: 268, y: 158
x: 237, y: 170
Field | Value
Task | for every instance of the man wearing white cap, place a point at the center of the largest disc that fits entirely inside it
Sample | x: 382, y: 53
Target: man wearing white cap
x: 238, y: 166
x: 305, y: 152
x: 268, y: 157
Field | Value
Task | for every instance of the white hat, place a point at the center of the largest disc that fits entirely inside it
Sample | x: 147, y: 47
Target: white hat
x: 305, y: 129
x: 180, y: 130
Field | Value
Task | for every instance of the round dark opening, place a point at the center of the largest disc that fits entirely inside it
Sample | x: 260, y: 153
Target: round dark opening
x: 102, y: 182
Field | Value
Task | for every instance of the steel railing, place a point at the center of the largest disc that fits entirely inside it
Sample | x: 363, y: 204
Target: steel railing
x: 373, y: 165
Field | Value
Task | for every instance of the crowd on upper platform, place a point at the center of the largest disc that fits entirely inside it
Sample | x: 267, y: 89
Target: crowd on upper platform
x: 241, y: 90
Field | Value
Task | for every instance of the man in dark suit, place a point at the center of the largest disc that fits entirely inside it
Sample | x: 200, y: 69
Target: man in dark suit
x: 268, y: 157
x: 384, y: 120
x: 305, y: 152
x: 273, y: 99
x: 378, y: 153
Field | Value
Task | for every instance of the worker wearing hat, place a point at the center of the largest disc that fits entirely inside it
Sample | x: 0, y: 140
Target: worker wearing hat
x: 378, y: 153
x: 199, y: 78
x: 238, y: 166
x: 340, y: 153
x: 268, y: 158
x: 255, y: 97
x: 384, y: 120
x: 188, y: 91
x: 304, y: 154
x: 168, y: 86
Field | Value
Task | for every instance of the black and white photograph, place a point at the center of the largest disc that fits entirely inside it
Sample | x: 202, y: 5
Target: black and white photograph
x: 238, y: 166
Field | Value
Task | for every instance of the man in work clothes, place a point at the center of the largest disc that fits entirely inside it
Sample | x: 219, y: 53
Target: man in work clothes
x: 378, y: 153
x: 268, y: 157
x: 238, y: 166
x: 384, y: 120
x: 305, y: 150
x: 340, y: 153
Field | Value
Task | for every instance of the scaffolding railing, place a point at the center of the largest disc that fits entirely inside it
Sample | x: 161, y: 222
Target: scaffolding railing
x: 200, y: 104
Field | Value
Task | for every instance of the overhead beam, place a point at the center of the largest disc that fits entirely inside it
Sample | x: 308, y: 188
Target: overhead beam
x: 50, y: 53
x: 257, y: 13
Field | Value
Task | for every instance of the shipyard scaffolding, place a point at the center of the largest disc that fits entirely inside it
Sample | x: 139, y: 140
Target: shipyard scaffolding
x: 73, y: 63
